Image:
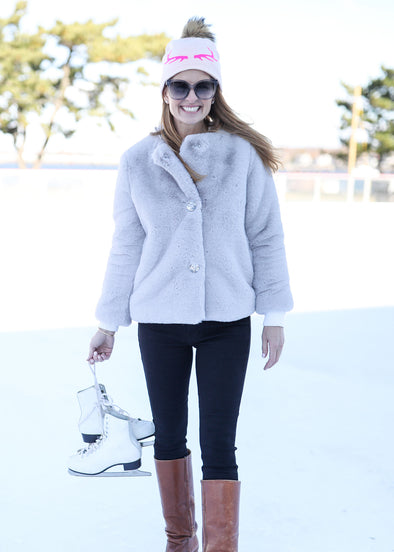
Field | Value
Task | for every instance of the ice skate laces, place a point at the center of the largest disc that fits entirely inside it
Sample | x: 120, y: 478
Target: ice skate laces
x: 92, y: 447
x: 105, y: 401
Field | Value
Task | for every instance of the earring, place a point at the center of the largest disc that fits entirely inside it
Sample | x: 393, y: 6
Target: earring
x: 213, y: 101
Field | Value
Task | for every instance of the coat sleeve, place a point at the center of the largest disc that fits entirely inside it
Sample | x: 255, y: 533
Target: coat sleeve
x: 265, y: 234
x: 113, y: 309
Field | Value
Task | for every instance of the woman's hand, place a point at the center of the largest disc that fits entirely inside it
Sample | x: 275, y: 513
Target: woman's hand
x: 100, y: 348
x: 273, y: 339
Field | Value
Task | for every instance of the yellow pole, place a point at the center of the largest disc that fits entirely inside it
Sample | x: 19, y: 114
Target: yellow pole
x: 355, y: 122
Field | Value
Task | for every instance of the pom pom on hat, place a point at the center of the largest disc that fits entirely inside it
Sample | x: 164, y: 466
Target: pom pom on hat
x: 197, y: 28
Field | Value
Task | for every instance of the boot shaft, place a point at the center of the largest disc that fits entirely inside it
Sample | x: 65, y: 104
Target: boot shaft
x: 220, y: 514
x: 175, y: 481
x: 91, y: 419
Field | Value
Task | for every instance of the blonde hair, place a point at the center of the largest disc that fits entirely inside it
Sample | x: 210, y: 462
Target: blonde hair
x: 221, y: 116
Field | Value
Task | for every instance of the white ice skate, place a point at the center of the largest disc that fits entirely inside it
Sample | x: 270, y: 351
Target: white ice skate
x: 94, y: 403
x: 117, y: 446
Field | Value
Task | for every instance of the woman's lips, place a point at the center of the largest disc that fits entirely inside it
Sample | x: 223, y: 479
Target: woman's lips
x: 191, y: 109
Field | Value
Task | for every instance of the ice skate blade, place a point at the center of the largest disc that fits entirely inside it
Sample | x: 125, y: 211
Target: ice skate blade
x: 126, y: 473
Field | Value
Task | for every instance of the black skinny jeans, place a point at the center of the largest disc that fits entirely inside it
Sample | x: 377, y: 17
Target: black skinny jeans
x: 222, y: 351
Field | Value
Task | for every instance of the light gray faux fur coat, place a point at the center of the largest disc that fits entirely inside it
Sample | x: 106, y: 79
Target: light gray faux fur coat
x: 183, y: 253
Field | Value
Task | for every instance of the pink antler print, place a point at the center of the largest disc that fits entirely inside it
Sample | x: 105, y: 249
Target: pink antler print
x: 175, y: 58
x: 206, y: 56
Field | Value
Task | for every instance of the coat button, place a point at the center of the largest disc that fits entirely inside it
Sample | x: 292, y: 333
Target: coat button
x: 194, y: 267
x: 191, y: 206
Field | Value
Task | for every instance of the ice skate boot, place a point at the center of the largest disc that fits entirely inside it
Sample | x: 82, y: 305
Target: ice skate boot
x: 142, y: 429
x: 117, y: 446
x: 91, y: 420
x: 94, y: 403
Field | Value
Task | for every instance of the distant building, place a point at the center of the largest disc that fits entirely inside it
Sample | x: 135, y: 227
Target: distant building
x: 326, y: 160
x: 311, y: 159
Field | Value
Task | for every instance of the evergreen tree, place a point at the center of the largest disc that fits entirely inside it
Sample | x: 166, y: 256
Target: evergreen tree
x: 377, y: 115
x: 46, y: 76
x: 23, y: 89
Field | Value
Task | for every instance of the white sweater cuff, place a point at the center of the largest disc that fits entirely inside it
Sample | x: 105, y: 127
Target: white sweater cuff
x: 274, y: 318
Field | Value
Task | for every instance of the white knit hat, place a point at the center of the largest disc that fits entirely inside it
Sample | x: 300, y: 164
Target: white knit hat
x: 191, y: 53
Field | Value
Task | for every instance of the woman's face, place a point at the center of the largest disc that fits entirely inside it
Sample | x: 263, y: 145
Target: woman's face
x: 190, y: 112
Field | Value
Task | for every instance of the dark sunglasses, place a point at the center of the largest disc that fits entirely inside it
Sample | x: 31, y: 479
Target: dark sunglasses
x: 180, y: 89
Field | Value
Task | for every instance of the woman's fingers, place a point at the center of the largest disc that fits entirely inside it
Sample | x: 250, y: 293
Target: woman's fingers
x: 100, y: 348
x: 274, y: 357
x: 265, y: 345
x: 272, y: 343
x: 99, y: 357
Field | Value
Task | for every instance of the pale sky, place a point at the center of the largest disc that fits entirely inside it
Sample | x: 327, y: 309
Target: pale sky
x: 282, y: 62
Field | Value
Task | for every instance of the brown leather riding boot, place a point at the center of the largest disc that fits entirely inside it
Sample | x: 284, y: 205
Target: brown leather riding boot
x: 177, y: 499
x: 220, y: 515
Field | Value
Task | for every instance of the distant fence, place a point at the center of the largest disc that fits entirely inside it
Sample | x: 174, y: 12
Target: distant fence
x: 314, y: 186
x: 44, y: 179
x: 291, y: 186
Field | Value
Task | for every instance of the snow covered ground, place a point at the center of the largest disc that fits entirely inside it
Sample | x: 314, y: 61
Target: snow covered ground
x: 315, y: 439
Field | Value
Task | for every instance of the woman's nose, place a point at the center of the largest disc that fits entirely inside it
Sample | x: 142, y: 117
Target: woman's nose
x: 191, y: 96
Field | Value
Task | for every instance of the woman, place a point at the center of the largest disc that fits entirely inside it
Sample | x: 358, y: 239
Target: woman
x: 198, y: 247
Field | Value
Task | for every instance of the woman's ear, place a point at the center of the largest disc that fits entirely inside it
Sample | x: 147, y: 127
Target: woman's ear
x: 165, y: 95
